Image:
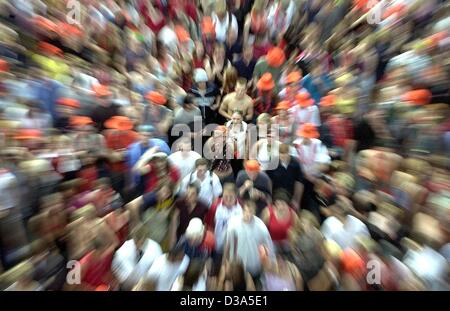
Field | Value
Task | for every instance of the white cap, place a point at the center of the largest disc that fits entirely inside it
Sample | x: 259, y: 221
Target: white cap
x: 200, y: 75
x: 195, y: 228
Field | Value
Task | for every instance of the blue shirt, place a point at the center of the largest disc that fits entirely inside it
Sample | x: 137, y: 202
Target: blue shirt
x: 313, y: 89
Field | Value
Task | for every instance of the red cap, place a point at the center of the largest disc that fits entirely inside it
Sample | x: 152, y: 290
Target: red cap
x: 304, y: 99
x: 23, y: 134
x: 417, y: 97
x: 101, y: 90
x: 68, y: 102
x: 49, y: 49
x: 252, y: 166
x: 156, y: 98
x: 275, y: 57
x: 120, y: 123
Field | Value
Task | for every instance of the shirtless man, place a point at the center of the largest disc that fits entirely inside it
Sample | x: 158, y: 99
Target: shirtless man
x: 238, y: 100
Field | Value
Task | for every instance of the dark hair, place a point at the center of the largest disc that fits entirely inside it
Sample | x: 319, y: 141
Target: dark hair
x: 250, y: 203
x: 188, y: 99
x: 237, y: 275
x: 177, y: 250
x: 195, y: 185
x: 193, y: 273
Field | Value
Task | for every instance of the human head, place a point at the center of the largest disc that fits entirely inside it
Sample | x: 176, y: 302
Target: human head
x: 229, y: 195
x: 176, y: 254
x: 188, y: 103
x: 200, y: 77
x: 195, y: 231
x: 219, y: 51
x: 249, y: 210
x: 230, y: 77
x: 201, y: 165
x: 192, y: 192
x: 284, y: 153
x: 236, y: 117
x: 146, y: 132
x: 164, y: 192
x: 247, y: 52
x: 252, y: 168
x: 281, y: 199
x: 240, y: 88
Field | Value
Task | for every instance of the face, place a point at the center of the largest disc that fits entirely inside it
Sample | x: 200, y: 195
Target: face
x: 199, y: 50
x: 163, y: 193
x: 252, y: 175
x: 236, y: 118
x: 191, y: 195
x: 201, y: 171
x: 219, y: 51
x: 248, y: 52
x: 240, y: 90
x: 282, y: 113
x: 228, y: 198
x: 284, y: 157
x: 281, y: 205
x: 248, y: 213
x: 160, y: 164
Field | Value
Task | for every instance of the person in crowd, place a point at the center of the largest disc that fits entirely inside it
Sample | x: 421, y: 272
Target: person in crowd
x: 246, y: 237
x: 305, y: 111
x: 238, y: 100
x: 254, y: 184
x: 168, y: 267
x: 265, y: 95
x: 206, y: 95
x: 220, y: 150
x: 184, y: 159
x: 210, y: 187
x: 237, y: 134
x: 284, y: 122
x: 279, y: 218
x: 220, y: 213
x: 186, y: 208
x: 288, y: 176
x: 245, y: 65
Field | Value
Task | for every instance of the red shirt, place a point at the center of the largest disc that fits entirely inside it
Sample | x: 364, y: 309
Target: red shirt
x: 153, y: 180
x: 279, y: 229
x: 342, y: 130
x: 119, y: 140
x: 98, y: 271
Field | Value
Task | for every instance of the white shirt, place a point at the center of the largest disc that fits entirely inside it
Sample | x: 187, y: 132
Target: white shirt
x: 268, y: 160
x: 222, y: 26
x: 305, y: 115
x: 222, y: 217
x: 344, y: 235
x: 249, y: 237
x: 284, y: 21
x: 167, y: 36
x: 210, y: 187
x: 125, y: 260
x: 311, y: 155
x: 239, y: 136
x: 165, y: 272
x: 184, y: 162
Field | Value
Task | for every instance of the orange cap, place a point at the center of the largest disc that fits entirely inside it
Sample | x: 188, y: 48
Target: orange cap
x: 283, y: 105
x: 352, y: 263
x: 394, y: 9
x: 120, y: 123
x: 182, y: 34
x: 102, y: 288
x: 66, y: 29
x: 23, y: 134
x: 68, y: 102
x: 308, y: 130
x: 417, y: 97
x: 328, y: 101
x: 265, y: 83
x: 275, y: 57
x: 4, y: 66
x: 208, y: 27
x: 45, y: 23
x: 304, y: 99
x: 293, y: 77
x: 101, y: 90
x: 80, y: 121
x: 156, y: 97
x: 252, y: 166
x: 49, y: 49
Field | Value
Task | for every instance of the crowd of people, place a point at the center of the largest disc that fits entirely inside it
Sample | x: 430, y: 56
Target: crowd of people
x: 239, y: 145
